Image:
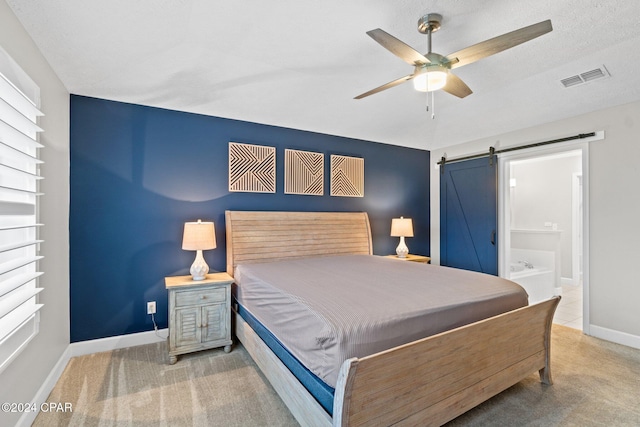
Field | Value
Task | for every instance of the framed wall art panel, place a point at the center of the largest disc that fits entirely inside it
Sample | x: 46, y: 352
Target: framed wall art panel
x: 252, y: 168
x: 303, y: 172
x: 347, y: 176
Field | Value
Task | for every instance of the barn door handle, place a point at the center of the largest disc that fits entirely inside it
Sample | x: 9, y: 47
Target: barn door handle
x: 493, y: 237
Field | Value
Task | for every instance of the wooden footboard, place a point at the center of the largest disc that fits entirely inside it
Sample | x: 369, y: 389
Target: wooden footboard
x: 433, y: 380
x: 426, y: 382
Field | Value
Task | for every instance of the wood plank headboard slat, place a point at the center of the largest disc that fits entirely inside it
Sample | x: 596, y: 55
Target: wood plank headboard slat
x: 263, y: 236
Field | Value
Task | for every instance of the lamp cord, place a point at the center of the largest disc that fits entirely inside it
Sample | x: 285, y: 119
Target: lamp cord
x: 155, y: 328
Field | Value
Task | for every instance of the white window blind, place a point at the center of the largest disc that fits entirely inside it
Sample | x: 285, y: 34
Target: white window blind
x: 19, y: 176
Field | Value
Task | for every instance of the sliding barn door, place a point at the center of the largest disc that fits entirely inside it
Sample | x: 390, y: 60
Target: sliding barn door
x: 469, y: 215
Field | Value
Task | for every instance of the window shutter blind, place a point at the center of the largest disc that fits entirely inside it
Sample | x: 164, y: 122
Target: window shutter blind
x: 19, y: 176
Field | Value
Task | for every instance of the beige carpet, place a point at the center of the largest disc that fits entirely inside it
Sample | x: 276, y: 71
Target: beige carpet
x: 137, y: 387
x: 596, y: 383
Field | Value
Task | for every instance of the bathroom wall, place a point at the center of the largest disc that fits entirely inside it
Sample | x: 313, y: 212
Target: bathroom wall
x: 542, y: 194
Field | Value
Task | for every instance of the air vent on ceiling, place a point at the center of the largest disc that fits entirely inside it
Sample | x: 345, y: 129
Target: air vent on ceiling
x: 586, y: 77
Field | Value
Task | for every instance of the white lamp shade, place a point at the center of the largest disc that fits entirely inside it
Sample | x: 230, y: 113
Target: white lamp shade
x: 401, y: 227
x: 198, y: 236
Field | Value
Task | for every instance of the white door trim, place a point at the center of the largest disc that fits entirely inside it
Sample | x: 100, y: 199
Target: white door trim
x: 576, y: 232
x: 504, y: 201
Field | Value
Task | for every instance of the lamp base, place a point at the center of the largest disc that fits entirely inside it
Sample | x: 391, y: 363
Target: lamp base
x: 402, y: 250
x: 199, y: 268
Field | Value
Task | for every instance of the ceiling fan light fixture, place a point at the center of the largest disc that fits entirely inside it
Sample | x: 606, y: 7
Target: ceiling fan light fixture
x: 431, y: 70
x: 434, y: 78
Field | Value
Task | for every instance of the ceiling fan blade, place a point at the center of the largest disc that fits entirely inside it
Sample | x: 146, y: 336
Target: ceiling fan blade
x: 398, y: 47
x: 455, y: 86
x: 385, y: 86
x: 498, y: 44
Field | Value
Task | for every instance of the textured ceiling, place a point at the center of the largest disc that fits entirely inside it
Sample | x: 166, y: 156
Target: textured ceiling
x: 299, y: 64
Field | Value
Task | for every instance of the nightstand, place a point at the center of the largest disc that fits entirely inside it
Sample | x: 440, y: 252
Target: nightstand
x: 414, y: 258
x: 199, y: 313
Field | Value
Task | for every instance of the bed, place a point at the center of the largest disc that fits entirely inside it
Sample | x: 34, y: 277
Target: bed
x: 425, y: 381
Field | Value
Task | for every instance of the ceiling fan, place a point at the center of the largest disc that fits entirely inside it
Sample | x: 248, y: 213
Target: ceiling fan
x: 432, y: 71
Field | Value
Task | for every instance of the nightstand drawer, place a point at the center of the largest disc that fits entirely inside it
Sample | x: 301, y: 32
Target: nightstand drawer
x: 200, y: 296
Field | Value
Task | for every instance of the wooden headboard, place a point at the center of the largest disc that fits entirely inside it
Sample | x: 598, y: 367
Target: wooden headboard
x: 273, y: 236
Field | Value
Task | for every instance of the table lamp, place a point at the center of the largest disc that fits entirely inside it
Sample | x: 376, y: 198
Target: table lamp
x: 402, y: 227
x: 199, y: 236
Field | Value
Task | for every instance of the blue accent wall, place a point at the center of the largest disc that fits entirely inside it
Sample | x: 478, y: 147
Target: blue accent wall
x: 138, y: 173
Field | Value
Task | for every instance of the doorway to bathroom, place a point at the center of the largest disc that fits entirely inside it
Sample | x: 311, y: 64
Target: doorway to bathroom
x: 542, y: 212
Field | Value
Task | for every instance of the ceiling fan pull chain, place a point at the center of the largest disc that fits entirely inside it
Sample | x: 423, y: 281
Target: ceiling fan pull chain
x: 427, y: 101
x: 433, y: 105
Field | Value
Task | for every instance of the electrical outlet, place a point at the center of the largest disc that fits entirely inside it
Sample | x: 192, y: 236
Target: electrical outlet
x: 151, y: 307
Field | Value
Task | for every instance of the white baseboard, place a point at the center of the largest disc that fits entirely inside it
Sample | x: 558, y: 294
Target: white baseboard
x: 615, y: 336
x: 121, y: 341
x: 41, y: 396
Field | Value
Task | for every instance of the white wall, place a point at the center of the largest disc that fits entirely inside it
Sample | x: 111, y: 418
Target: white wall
x: 543, y: 194
x: 614, y: 211
x: 21, y: 381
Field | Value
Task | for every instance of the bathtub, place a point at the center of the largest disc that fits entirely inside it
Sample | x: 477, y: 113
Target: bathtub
x: 535, y: 272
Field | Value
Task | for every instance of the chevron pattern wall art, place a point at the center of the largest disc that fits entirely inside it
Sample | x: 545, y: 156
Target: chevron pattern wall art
x: 303, y: 172
x: 252, y: 168
x: 347, y: 176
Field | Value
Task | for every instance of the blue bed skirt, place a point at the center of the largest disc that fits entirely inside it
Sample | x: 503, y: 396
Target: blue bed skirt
x: 318, y: 388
